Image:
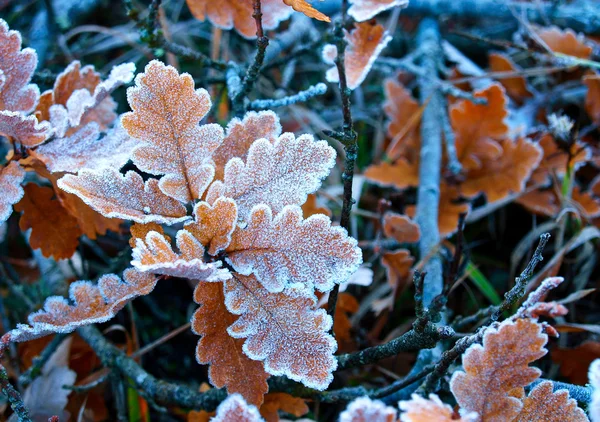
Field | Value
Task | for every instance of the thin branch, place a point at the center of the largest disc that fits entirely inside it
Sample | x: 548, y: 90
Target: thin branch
x: 302, y: 96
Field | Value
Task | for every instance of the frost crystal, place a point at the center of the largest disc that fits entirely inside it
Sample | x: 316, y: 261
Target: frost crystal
x: 24, y: 129
x: 235, y: 409
x: 363, y: 409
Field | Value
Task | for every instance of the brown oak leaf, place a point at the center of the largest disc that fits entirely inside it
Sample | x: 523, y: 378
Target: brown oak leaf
x: 312, y: 207
x: 555, y: 160
x: 213, y: 225
x: 565, y: 41
x: 516, y: 87
x: 400, y: 174
x: 544, y: 405
x: 23, y: 129
x: 229, y: 366
x: 592, y: 97
x: 275, y: 402
x: 404, y: 113
x: 401, y: 228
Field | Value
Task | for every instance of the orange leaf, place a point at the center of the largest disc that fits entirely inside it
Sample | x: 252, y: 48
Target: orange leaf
x: 24, y: 129
x: 304, y: 7
x: 166, y: 112
x: 213, y: 225
x: 91, y: 304
x: 234, y: 408
x: 364, y: 44
x: 274, y: 402
x: 574, y: 362
x: 16, y: 69
x: 11, y: 177
x: 278, y: 174
x: 154, y: 254
x: 229, y: 366
x: 241, y: 134
x: 283, y: 329
x: 364, y: 409
x: 516, y: 86
x: 401, y: 228
x: 404, y: 127
x: 508, y: 173
x: 400, y: 174
x: 362, y: 10
x: 420, y: 409
x: 228, y: 14
x: 311, y: 207
x: 478, y: 126
x: 397, y: 265
x: 541, y: 202
x: 139, y: 231
x: 286, y: 249
x: 124, y: 196
x: 346, y: 305
x: 543, y: 405
x: 53, y: 231
x: 565, y: 42
x: 592, y: 97
x: 496, y: 372
x: 587, y: 203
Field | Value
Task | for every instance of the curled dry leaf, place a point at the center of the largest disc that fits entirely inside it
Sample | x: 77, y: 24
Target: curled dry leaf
x: 11, y: 177
x: 565, y: 41
x: 234, y: 408
x: 498, y: 177
x: 274, y: 402
x: 228, y: 14
x: 23, y: 129
x: 364, y: 44
x: 363, y: 409
x: 278, y: 174
x: 421, y: 409
x: 282, y: 329
x: 496, y: 373
x: 401, y: 228
x: 166, y: 112
x: 53, y: 231
x: 544, y: 405
x: 16, y: 69
x: 401, y: 174
x: 91, y: 304
x: 286, y: 249
x: 516, y: 87
x: 304, y: 7
x: 397, y: 266
x: 241, y: 134
x: 124, y: 196
x: 404, y: 113
x: 229, y: 366
x: 363, y: 10
x: 213, y: 225
x: 155, y: 255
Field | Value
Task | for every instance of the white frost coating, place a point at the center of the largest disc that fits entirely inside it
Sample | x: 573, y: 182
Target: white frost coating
x: 288, y: 250
x: 155, y: 255
x: 365, y: 409
x: 24, y: 129
x: 83, y: 150
x: 421, y: 408
x: 16, y: 67
x: 81, y: 101
x: 329, y: 54
x: 124, y: 196
x: 594, y: 376
x: 91, y: 304
x: 59, y: 119
x: 278, y: 174
x: 11, y: 178
x: 363, y: 10
x: 283, y: 330
x: 235, y: 409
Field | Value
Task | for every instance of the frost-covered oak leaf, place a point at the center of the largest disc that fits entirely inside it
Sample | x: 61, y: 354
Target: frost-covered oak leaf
x: 284, y: 330
x: 53, y: 231
x: 544, y: 405
x: 91, y: 303
x: 286, y: 249
x: 26, y: 130
x: 278, y: 174
x: 241, y: 134
x: 213, y: 225
x: 496, y: 373
x: 401, y: 228
x: 229, y: 14
x: 229, y: 366
x: 363, y: 10
x: 115, y: 195
x: 11, y: 177
x: 305, y: 7
x: 154, y: 254
x: 16, y: 69
x: 82, y: 101
x: 84, y: 149
x: 432, y: 409
x: 363, y: 409
x: 365, y: 43
x: 234, y: 408
x: 165, y: 117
